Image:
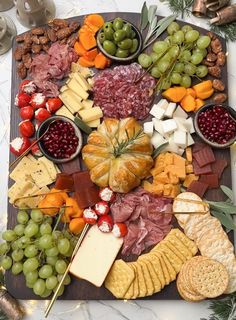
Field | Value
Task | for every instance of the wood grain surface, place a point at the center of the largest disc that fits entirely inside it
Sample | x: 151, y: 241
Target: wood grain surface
x: 80, y: 289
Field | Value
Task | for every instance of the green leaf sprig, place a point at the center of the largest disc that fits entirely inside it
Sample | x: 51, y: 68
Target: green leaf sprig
x: 179, y: 7
x: 226, y: 31
x: 123, y: 145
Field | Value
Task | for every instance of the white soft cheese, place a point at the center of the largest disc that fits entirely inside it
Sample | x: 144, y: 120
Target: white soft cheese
x: 169, y: 126
x: 189, y: 125
x: 180, y: 138
x: 148, y: 128
x: 180, y: 123
x: 179, y: 112
x: 157, y: 140
x: 157, y: 112
x: 190, y: 140
x: 170, y: 110
x: 158, y: 126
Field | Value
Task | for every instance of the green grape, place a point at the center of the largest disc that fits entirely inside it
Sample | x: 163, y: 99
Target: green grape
x: 6, y: 262
x: 175, y: 78
x: 185, y: 56
x: 178, y: 37
x: 69, y: 252
x: 29, y: 285
x: 202, y: 51
x: 67, y: 234
x: 45, y: 242
x: 144, y: 60
x: 45, y: 228
x: 167, y: 57
x: 17, y: 268
x: 52, y: 252
x: 15, y: 245
x: 46, y: 293
x: 174, y: 51
x: 45, y: 271
x: 48, y: 219
x: 31, y: 251
x: 63, y: 245
x: 201, y: 71
x: 203, y: 42
x: 196, y: 58
x: 22, y: 217
x: 191, y: 36
x: 162, y: 65
x: 60, y: 292
x: 66, y: 281
x: 4, y: 248
x: 38, y: 235
x: 9, y: 235
x: 19, y: 229
x: 190, y: 69
x: 57, y: 235
x: 155, y: 56
x: 51, y: 282
x: 17, y: 255
x: 179, y: 67
x: 30, y: 264
x: 51, y: 260
x: 186, y: 81
x: 166, y: 84
x: 168, y: 40
x: 23, y: 242
x: 36, y: 215
x: 31, y: 229
x: 31, y: 276
x: 39, y: 287
x: 173, y: 27
x: 60, y: 266
x: 186, y: 28
x: 160, y: 46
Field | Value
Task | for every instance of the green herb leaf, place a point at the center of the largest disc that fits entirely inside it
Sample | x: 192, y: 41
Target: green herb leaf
x: 226, y: 31
x: 223, y: 206
x: 228, y: 192
x: 144, y: 17
x: 151, y: 13
x: 158, y: 150
x: 226, y: 221
x: 180, y: 7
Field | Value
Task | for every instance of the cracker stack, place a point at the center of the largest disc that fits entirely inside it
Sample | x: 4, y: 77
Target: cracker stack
x: 201, y: 278
x: 153, y: 270
x: 207, y: 233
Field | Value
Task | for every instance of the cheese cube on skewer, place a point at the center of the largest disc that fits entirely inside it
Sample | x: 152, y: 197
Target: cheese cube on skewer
x: 148, y: 128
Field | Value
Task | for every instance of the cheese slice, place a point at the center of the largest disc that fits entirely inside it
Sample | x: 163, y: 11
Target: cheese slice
x: 88, y: 115
x: 21, y: 169
x: 94, y: 123
x: 63, y: 111
x: 50, y: 167
x: 96, y: 256
x: 31, y: 158
x: 82, y: 81
x: 40, y: 176
x: 69, y: 101
x: 87, y: 104
x: 63, y: 88
x: 76, y: 87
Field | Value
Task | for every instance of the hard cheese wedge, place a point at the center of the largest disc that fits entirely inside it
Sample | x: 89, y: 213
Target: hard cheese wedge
x: 96, y: 256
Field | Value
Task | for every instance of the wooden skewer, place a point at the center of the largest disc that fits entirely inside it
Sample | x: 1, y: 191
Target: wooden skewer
x: 67, y: 269
x: 192, y: 201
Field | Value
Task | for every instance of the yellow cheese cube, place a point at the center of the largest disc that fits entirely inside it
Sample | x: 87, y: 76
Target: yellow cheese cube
x: 63, y: 111
x: 94, y: 123
x: 87, y: 104
x: 70, y: 101
x: 88, y: 115
x: 76, y: 87
x: 81, y: 80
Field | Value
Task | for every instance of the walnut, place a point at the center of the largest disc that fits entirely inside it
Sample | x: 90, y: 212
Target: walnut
x: 36, y: 48
x: 215, y: 71
x: 211, y: 57
x: 216, y: 45
x: 74, y: 25
x: 38, y: 31
x: 18, y: 53
x: 218, y: 85
x: 63, y: 33
x: 220, y: 98
x: 35, y: 39
x: 221, y: 58
x: 208, y: 63
x: 43, y: 40
x: 26, y: 58
x: 21, y: 70
x: 51, y: 35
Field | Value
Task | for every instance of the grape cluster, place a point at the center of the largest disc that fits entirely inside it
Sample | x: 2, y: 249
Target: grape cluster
x: 178, y: 58
x: 40, y: 252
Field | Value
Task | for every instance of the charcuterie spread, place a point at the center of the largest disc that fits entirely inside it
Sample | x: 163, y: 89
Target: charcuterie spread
x: 116, y: 162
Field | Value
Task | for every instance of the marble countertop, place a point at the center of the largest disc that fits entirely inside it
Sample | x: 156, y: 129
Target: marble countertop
x: 99, y: 310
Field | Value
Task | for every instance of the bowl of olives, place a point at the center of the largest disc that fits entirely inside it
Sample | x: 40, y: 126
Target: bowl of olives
x: 119, y: 40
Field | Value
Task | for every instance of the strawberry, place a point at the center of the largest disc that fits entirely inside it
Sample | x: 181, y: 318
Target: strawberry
x: 26, y: 113
x: 38, y: 100
x: 42, y: 114
x: 22, y: 99
x: 101, y: 208
x: 119, y: 230
x: 105, y: 223
x: 19, y: 145
x: 90, y: 216
x: 26, y: 128
x: 53, y: 104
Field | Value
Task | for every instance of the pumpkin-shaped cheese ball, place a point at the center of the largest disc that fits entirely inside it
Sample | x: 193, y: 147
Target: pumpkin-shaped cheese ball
x: 118, y: 154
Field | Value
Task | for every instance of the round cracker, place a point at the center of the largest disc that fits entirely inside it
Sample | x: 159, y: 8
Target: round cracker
x: 185, y: 294
x: 209, y: 278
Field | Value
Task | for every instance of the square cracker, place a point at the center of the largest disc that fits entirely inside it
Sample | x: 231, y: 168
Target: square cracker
x: 158, y: 255
x: 155, y: 279
x: 41, y: 176
x: 135, y: 281
x: 21, y: 170
x: 172, y: 257
x: 130, y: 292
x: 147, y: 278
x: 169, y: 266
x: 179, y: 245
x: 119, y: 278
x: 175, y: 250
x: 141, y: 281
x: 155, y: 262
x: 185, y: 240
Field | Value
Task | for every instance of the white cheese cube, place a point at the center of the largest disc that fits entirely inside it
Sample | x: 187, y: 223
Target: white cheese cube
x: 157, y: 112
x: 158, y: 126
x: 148, y: 128
x: 170, y: 110
x: 180, y: 123
x: 169, y: 125
x: 189, y: 125
x: 171, y: 147
x: 157, y: 139
x: 163, y: 104
x: 180, y: 138
x: 179, y: 112
x: 190, y: 140
x: 180, y: 151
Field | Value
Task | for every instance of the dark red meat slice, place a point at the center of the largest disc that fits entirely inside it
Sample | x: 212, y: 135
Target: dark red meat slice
x: 219, y: 166
x: 198, y: 187
x: 64, y: 181
x: 198, y: 146
x: 204, y: 156
x: 201, y: 170
x: 211, y: 179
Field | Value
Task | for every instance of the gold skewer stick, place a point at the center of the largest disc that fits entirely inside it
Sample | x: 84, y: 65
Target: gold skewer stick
x: 192, y: 201
x: 185, y: 212
x: 67, y: 269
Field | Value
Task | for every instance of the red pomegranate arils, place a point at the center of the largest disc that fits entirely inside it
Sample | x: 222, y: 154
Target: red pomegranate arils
x: 211, y: 179
x: 198, y: 187
x: 204, y: 156
x: 219, y: 166
x: 201, y: 170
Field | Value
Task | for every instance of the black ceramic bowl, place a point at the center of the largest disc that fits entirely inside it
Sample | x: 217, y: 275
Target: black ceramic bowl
x: 232, y: 113
x: 133, y: 55
x: 44, y: 126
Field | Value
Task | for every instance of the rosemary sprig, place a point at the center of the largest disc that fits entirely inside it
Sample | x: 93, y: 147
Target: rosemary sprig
x: 227, y: 31
x: 179, y: 7
x: 123, y: 145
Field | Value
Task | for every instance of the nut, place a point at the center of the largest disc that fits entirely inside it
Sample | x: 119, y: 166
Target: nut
x: 36, y: 48
x: 74, y: 25
x: 18, y: 53
x: 51, y: 35
x: 215, y: 71
x: 216, y: 45
x: 43, y: 40
x: 63, y: 33
x: 218, y: 85
x: 38, y: 31
x: 221, y: 57
x: 21, y: 70
x: 211, y: 57
x: 220, y: 98
x: 26, y: 58
x: 208, y: 63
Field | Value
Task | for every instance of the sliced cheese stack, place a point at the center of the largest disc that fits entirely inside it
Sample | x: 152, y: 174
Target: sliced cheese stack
x: 75, y: 96
x: 170, y: 123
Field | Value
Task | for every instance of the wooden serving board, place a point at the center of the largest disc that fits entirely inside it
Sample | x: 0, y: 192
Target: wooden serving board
x: 83, y: 290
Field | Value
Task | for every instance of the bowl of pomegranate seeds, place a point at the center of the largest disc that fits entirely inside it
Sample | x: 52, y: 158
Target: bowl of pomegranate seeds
x: 62, y: 141
x: 216, y: 125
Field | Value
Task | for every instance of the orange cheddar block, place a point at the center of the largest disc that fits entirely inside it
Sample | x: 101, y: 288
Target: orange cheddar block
x: 173, y: 178
x: 180, y: 163
x: 189, y: 168
x: 175, y: 191
x: 157, y: 170
x: 167, y: 189
x: 189, y: 155
x: 154, y: 188
x: 189, y: 179
x: 161, y: 178
x: 169, y: 158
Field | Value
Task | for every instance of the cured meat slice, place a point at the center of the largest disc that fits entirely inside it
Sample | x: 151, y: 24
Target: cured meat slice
x: 204, y: 156
x: 198, y: 146
x: 198, y: 187
x: 219, y: 166
x: 201, y: 170
x: 211, y: 179
x: 64, y: 181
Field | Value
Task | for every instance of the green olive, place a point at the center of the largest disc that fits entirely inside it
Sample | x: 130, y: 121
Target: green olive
x: 121, y: 53
x: 118, y: 24
x: 134, y: 47
x: 132, y: 34
x: 107, y: 25
x: 108, y: 32
x: 101, y: 37
x: 109, y: 47
x: 127, y: 28
x: 125, y: 44
x: 119, y: 35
